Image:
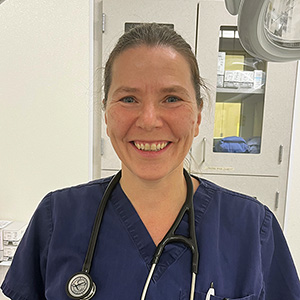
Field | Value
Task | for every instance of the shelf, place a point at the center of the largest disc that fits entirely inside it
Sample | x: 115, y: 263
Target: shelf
x: 5, y: 263
x: 240, y: 91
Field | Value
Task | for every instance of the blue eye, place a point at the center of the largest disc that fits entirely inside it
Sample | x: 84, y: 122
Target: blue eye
x: 128, y: 100
x: 172, y: 99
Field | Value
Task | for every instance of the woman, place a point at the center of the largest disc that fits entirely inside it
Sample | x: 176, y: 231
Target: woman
x: 153, y: 111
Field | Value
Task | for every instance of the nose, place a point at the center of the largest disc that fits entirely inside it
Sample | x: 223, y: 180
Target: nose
x: 149, y: 117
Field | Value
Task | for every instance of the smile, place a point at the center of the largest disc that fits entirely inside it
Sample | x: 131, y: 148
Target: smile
x: 150, y: 146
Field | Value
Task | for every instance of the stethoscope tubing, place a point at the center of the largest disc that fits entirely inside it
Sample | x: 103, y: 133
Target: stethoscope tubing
x: 170, y: 237
x: 97, y: 223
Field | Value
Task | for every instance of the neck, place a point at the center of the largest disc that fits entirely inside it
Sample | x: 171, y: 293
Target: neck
x: 154, y: 193
x: 157, y: 202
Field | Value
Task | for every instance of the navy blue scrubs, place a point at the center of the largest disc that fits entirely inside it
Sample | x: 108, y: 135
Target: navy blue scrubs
x: 242, y: 250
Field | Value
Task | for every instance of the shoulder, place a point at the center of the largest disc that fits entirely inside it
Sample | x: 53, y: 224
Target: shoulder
x: 75, y: 198
x: 83, y: 186
x: 84, y: 189
x: 231, y: 205
x: 229, y: 197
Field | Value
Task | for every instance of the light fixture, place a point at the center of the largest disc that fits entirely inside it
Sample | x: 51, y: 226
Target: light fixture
x: 268, y: 29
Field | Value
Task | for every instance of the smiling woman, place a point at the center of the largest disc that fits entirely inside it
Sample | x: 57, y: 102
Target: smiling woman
x: 153, y: 210
x: 151, y: 101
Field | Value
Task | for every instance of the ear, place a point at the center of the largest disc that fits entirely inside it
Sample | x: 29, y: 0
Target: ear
x: 105, y: 118
x: 197, y: 124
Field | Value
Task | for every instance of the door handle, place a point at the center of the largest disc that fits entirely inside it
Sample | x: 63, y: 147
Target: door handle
x: 204, y: 150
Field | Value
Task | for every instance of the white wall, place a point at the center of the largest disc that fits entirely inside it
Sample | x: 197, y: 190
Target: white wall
x: 44, y: 108
x: 44, y: 100
x: 292, y: 221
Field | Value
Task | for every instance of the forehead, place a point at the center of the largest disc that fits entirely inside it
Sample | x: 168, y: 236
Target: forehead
x: 135, y: 55
x: 150, y: 64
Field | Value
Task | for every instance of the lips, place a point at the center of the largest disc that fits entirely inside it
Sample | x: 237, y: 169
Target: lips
x: 154, y: 147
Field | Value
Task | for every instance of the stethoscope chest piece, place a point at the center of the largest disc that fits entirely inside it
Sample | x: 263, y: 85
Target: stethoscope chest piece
x: 81, y: 286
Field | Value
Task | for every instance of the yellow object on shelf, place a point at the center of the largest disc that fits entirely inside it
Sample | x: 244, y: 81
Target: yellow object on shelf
x: 234, y: 63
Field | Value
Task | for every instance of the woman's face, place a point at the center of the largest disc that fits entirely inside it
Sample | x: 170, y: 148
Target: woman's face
x: 151, y: 114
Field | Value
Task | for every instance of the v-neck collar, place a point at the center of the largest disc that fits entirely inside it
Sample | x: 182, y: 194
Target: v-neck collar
x: 141, y: 237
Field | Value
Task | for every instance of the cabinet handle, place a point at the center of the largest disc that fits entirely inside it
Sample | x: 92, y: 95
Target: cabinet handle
x: 204, y: 150
x: 280, y: 154
x: 276, y: 200
x: 103, y: 22
x: 102, y: 147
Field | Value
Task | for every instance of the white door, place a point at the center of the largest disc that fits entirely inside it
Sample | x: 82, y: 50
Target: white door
x: 118, y: 14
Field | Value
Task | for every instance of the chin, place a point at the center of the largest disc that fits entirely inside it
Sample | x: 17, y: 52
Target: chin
x: 153, y: 173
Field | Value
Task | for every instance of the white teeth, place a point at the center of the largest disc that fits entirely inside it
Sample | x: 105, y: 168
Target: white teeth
x: 153, y: 147
x: 150, y: 147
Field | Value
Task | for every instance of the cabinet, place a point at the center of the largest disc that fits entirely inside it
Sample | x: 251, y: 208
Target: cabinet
x: 258, y: 111
x: 261, y: 113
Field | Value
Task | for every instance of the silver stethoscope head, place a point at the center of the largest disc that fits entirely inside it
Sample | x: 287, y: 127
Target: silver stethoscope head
x: 81, y: 286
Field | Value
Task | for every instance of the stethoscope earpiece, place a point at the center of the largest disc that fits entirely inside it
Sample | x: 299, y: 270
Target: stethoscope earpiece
x: 81, y: 286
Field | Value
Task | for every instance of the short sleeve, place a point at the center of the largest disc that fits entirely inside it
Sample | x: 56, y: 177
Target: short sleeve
x: 280, y: 276
x: 25, y: 278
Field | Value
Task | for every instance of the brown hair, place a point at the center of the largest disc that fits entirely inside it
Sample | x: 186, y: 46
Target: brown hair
x: 152, y: 34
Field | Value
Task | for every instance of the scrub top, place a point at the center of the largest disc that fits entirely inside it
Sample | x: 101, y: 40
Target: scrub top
x: 241, y: 246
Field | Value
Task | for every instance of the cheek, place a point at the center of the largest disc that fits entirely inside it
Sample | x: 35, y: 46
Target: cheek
x: 116, y: 124
x: 111, y: 122
x: 187, y: 125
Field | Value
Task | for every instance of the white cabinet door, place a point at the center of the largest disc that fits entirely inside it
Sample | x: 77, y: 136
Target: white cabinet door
x: 182, y: 14
x: 276, y: 107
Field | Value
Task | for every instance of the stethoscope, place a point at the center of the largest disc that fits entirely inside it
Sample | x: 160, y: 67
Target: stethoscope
x: 81, y: 285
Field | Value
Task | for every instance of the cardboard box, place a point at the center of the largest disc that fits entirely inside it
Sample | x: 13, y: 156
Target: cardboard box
x: 259, y: 79
x: 221, y: 63
x: 3, y: 224
x: 14, y: 231
x: 220, y: 81
x: 9, y: 252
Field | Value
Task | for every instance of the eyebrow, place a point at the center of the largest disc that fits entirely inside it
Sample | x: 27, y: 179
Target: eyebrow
x: 175, y: 89
x: 170, y: 89
x: 124, y: 89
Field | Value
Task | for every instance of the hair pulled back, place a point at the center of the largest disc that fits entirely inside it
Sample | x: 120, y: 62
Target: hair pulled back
x: 152, y: 35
